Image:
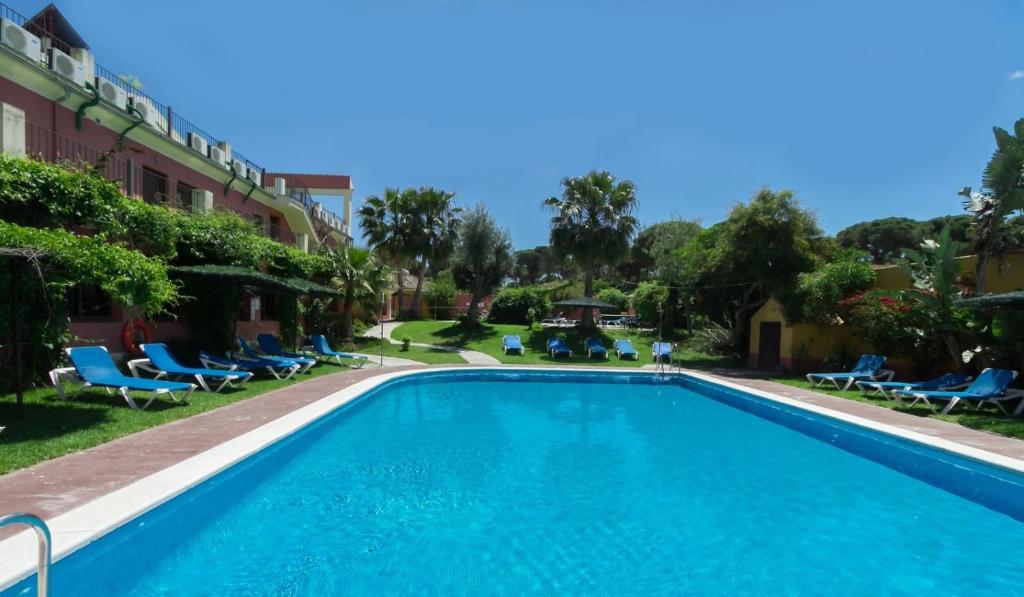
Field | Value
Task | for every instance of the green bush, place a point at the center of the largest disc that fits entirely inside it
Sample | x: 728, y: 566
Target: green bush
x: 440, y: 295
x: 616, y: 297
x: 646, y: 298
x: 512, y: 305
x: 817, y: 294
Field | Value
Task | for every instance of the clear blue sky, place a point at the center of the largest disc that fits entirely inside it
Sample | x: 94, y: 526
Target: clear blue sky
x: 866, y: 109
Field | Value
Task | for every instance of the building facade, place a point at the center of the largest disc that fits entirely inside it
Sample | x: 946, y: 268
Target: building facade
x: 58, y: 104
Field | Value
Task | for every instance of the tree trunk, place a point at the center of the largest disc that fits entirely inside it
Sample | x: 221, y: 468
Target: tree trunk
x: 688, y: 314
x: 742, y: 317
x: 473, y: 312
x: 346, y: 314
x: 588, y: 291
x: 668, y: 324
x: 418, y: 296
x: 401, y: 293
x: 981, y: 269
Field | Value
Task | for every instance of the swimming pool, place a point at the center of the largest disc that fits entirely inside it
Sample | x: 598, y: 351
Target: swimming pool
x: 498, y: 482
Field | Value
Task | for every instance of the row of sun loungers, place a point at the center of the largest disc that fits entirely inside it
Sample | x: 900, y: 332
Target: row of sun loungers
x: 869, y: 375
x: 593, y: 347
x: 94, y: 366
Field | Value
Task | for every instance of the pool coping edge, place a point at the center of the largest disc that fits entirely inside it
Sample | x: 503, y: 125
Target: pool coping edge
x: 80, y: 526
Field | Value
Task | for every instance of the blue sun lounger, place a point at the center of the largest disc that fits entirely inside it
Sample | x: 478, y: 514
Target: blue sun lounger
x: 305, y: 363
x: 270, y: 345
x: 278, y: 368
x: 557, y: 347
x: 991, y: 387
x: 96, y: 368
x: 512, y: 344
x: 868, y: 368
x: 946, y: 381
x: 160, y: 362
x: 322, y: 348
x: 624, y: 348
x: 661, y: 351
x: 594, y: 347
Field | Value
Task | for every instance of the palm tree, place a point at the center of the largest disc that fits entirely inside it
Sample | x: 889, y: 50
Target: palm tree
x: 386, y: 224
x: 593, y: 224
x: 357, y: 273
x: 435, y: 225
x: 1004, y: 178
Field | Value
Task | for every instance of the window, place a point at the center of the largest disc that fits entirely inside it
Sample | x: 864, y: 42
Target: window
x: 86, y: 301
x: 257, y: 222
x: 275, y: 227
x: 184, y: 193
x: 154, y: 186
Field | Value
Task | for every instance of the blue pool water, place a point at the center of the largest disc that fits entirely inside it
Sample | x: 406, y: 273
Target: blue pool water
x: 471, y: 484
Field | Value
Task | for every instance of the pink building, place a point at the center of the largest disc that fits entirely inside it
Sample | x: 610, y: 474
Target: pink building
x: 59, y: 104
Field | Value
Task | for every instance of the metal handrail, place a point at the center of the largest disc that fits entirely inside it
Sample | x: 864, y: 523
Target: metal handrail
x: 45, y: 545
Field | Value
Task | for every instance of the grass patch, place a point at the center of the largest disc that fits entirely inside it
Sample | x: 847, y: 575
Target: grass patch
x: 52, y: 427
x: 430, y: 356
x: 987, y: 419
x: 487, y: 338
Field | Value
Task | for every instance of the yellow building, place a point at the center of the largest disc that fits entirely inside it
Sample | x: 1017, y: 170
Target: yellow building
x: 774, y: 342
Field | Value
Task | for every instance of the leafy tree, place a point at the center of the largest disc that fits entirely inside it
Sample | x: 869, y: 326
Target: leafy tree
x: 1003, y: 179
x: 482, y: 258
x: 593, y: 223
x: 666, y: 239
x: 386, y: 224
x: 883, y: 239
x: 760, y: 249
x: 356, y: 272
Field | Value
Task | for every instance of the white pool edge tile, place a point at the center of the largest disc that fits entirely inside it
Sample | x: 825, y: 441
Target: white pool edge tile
x: 79, y: 527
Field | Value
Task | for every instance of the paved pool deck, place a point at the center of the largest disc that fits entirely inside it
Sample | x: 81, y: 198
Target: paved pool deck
x: 60, y: 485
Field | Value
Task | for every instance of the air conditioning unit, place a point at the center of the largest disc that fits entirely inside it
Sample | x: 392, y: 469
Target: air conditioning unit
x: 67, y: 67
x: 112, y: 93
x: 217, y: 155
x: 147, y: 110
x: 198, y: 143
x: 202, y: 201
x: 280, y: 186
x: 255, y: 176
x: 20, y: 41
x: 240, y: 168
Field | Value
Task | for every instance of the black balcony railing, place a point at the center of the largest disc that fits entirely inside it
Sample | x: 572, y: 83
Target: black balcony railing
x: 168, y: 122
x: 51, y: 146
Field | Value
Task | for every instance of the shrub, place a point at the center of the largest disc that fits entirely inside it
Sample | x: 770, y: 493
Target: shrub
x: 616, y: 297
x: 512, y: 305
x: 817, y: 294
x: 646, y: 298
x: 896, y: 324
x: 440, y: 294
x: 406, y: 343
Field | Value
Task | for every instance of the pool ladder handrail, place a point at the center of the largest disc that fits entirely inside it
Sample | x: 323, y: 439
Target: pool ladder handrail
x: 45, y: 545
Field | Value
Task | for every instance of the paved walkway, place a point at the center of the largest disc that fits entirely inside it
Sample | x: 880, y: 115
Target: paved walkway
x: 472, y: 357
x: 62, y: 484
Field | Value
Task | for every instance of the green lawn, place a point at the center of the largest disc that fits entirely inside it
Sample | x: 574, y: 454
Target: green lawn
x: 988, y: 419
x: 488, y: 339
x: 430, y: 356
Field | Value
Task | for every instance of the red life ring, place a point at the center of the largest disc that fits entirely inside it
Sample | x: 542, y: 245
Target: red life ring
x: 131, y: 332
